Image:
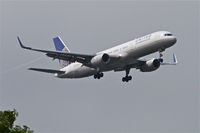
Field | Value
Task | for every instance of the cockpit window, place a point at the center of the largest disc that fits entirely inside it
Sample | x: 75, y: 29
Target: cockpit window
x: 167, y: 34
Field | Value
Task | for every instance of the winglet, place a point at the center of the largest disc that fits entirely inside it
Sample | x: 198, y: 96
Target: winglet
x: 174, y: 62
x: 175, y: 59
x: 22, y: 44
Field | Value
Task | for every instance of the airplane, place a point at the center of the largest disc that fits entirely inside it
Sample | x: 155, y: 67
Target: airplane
x: 119, y: 58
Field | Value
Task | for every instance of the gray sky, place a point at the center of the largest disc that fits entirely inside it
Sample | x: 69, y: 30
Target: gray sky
x: 162, y: 101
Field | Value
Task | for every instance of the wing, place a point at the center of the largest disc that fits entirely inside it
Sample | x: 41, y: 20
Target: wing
x: 139, y: 62
x: 47, y: 70
x: 72, y: 57
x: 175, y: 61
x: 136, y: 64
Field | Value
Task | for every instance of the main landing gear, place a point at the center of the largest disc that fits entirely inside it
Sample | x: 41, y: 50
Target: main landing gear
x: 98, y: 75
x: 127, y: 78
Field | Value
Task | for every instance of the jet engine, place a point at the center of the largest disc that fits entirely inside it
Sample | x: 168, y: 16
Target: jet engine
x: 103, y: 59
x: 150, y: 65
x: 100, y: 59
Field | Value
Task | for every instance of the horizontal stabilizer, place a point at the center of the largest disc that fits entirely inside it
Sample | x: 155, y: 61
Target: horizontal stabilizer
x: 47, y: 70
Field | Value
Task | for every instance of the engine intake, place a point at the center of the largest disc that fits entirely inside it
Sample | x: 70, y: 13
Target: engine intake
x: 150, y: 65
x: 101, y: 59
x: 156, y: 63
x: 106, y: 58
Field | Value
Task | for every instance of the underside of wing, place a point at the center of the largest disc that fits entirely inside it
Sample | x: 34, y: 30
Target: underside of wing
x: 136, y: 64
x: 147, y: 65
x: 47, y: 70
x: 72, y: 57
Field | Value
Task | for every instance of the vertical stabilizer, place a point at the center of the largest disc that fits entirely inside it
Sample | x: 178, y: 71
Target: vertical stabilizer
x: 60, y: 46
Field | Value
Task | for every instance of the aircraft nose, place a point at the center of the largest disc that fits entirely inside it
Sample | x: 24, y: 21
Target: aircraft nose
x: 174, y: 40
x: 171, y: 40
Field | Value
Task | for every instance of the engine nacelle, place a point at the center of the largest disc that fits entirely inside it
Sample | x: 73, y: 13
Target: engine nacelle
x: 150, y: 65
x: 101, y: 59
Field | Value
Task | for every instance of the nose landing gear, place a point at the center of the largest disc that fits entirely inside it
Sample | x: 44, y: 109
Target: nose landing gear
x: 160, y: 59
x: 161, y: 53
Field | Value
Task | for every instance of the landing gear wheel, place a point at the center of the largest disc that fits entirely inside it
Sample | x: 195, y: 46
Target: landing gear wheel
x: 101, y: 74
x: 127, y: 78
x: 98, y: 75
x: 160, y: 59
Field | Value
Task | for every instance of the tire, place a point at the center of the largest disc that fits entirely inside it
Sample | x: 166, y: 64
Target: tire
x: 161, y: 60
x: 101, y: 75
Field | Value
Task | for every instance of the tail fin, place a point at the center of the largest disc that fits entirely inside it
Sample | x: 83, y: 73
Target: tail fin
x: 60, y: 46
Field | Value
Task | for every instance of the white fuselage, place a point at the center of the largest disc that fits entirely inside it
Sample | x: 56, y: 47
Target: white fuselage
x: 128, y: 53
